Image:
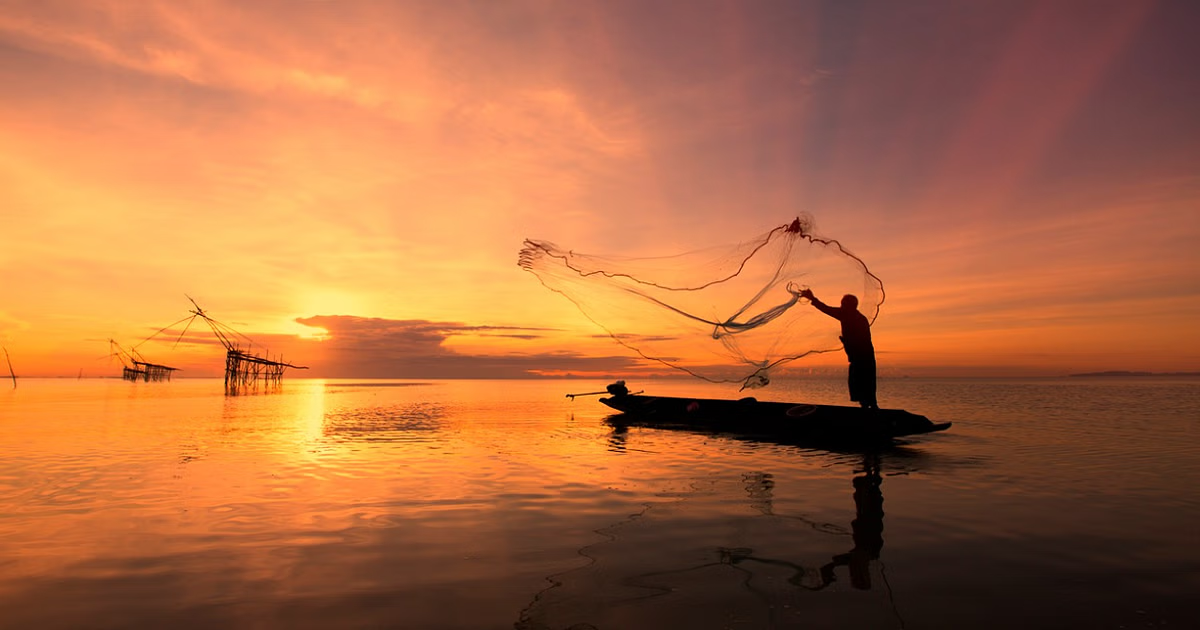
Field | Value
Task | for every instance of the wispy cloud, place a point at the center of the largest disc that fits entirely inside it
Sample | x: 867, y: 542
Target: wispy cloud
x: 994, y: 164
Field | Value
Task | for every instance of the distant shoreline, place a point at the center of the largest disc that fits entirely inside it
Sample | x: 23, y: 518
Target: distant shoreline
x: 1131, y: 373
x: 657, y: 377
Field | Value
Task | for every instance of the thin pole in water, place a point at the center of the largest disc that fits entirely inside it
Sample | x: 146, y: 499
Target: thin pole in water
x: 10, y: 369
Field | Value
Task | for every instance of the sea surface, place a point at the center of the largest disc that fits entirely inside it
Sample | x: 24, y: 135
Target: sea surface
x: 1050, y: 503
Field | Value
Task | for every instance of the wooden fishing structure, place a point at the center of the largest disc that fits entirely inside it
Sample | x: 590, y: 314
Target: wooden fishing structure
x: 142, y: 371
x: 135, y: 368
x: 245, y: 370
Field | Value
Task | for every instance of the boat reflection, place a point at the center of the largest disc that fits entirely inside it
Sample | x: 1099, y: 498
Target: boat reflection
x: 902, y: 455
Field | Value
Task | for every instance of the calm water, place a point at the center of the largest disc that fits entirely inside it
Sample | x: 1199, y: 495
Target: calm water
x: 1056, y: 503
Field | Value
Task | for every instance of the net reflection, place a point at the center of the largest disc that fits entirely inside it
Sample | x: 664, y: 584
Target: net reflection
x: 866, y: 530
x: 672, y: 563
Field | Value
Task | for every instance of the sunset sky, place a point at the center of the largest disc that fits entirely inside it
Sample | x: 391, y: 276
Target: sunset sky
x: 349, y: 182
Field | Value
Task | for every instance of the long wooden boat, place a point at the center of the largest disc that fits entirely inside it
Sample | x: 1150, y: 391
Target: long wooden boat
x: 749, y: 417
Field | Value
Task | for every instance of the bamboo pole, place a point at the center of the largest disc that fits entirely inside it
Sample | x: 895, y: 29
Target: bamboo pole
x: 10, y: 368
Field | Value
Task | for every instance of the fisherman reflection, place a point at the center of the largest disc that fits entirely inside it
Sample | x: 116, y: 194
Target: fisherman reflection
x: 558, y: 605
x: 760, y: 487
x: 866, y: 530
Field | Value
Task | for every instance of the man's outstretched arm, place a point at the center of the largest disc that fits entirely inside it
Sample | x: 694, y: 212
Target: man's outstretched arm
x: 831, y: 311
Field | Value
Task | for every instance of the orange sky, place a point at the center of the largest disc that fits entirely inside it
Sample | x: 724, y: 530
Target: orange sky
x: 1023, y: 176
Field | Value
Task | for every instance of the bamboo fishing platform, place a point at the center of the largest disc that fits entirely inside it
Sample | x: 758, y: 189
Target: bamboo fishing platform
x: 245, y: 370
x: 142, y: 371
x: 135, y: 368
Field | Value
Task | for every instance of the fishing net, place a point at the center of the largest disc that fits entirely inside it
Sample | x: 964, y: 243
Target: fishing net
x: 724, y: 314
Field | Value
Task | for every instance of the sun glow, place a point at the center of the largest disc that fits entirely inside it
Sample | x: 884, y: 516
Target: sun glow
x: 374, y: 171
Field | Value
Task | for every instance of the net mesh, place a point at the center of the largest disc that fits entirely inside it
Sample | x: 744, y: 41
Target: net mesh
x: 724, y: 314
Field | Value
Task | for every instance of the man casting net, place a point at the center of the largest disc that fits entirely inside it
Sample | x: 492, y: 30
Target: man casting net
x: 724, y: 314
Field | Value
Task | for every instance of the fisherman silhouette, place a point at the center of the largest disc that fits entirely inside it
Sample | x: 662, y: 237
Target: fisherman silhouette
x: 856, y: 339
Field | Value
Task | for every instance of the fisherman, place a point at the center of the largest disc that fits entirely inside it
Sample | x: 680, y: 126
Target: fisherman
x: 856, y: 339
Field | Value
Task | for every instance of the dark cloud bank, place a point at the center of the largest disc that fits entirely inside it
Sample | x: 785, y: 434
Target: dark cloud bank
x: 370, y: 347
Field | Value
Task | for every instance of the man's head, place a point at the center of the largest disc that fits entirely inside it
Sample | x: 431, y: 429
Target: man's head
x: 849, y: 301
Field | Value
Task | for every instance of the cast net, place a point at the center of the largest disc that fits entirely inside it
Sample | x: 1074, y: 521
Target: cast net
x: 724, y: 314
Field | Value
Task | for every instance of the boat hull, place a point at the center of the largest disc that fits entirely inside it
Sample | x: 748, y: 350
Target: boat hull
x: 749, y: 417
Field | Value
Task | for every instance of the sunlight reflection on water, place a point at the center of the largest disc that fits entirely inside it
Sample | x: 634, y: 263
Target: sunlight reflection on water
x: 494, y: 504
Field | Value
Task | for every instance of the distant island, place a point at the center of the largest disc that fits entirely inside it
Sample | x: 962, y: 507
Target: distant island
x: 1129, y: 373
